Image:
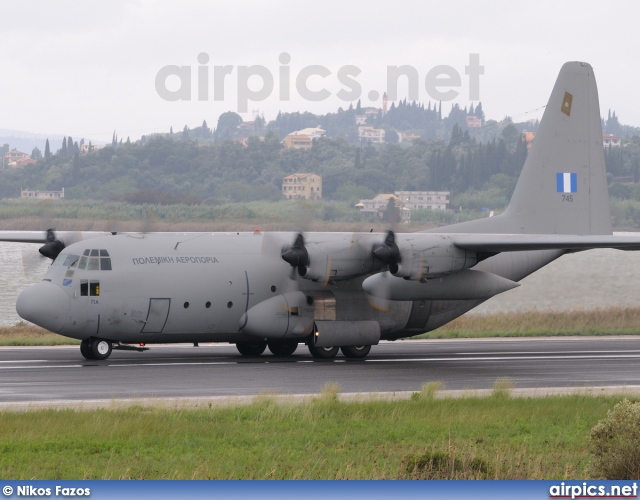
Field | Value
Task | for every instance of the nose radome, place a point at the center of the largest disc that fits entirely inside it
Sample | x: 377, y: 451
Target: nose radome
x: 44, y: 304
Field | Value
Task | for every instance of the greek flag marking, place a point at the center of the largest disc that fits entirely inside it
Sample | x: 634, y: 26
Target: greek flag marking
x: 567, y: 182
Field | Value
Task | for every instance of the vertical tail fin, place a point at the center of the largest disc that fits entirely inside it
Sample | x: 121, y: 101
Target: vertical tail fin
x: 562, y: 188
x: 563, y: 185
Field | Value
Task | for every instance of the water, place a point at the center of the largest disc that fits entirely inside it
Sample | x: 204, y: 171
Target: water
x: 595, y: 278
x: 20, y: 266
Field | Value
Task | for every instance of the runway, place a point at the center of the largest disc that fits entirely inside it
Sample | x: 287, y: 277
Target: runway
x: 37, y: 374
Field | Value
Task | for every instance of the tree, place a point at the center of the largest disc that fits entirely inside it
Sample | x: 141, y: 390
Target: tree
x: 63, y: 151
x: 391, y: 136
x: 47, y: 150
x: 206, y: 131
x: 391, y: 213
x: 36, y: 154
x: 227, y: 125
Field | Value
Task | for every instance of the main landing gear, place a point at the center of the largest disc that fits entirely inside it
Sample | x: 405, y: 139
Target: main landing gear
x: 96, y: 349
x: 284, y: 348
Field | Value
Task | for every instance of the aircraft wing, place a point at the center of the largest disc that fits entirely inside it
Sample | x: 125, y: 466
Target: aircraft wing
x: 41, y: 236
x: 520, y: 242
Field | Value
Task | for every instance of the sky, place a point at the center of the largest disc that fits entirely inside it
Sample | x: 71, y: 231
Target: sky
x: 87, y: 69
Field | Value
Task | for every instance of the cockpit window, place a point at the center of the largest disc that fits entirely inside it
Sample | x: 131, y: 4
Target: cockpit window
x: 95, y: 260
x: 60, y: 259
x: 71, y: 260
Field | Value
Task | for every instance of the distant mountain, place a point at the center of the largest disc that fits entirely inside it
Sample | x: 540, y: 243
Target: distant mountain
x: 26, y: 141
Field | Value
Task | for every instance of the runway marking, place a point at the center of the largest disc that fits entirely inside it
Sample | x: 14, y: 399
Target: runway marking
x: 624, y: 351
x: 504, y: 358
x: 28, y: 361
x: 388, y: 360
x: 38, y: 367
x: 177, y: 364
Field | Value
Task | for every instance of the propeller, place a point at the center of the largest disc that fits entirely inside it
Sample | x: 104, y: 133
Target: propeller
x: 388, y: 251
x: 52, y: 247
x: 389, y: 254
x: 296, y: 256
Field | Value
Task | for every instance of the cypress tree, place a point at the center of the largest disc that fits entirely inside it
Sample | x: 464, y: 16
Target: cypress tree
x: 47, y: 150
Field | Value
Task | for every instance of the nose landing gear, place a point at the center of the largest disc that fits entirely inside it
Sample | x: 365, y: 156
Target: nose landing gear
x: 96, y: 349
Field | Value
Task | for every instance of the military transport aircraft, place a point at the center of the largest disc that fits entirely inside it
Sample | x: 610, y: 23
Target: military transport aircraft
x: 331, y: 291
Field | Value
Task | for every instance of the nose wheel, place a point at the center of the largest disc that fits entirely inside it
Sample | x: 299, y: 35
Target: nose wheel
x: 95, y: 349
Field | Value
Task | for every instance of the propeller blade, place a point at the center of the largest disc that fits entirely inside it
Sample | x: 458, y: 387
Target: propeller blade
x: 296, y: 255
x: 388, y: 252
x: 52, y: 247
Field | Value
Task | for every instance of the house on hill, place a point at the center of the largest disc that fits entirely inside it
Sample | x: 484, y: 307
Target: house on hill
x: 302, y: 187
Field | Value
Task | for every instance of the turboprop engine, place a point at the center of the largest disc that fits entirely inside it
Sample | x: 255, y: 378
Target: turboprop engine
x: 420, y: 256
x: 340, y: 257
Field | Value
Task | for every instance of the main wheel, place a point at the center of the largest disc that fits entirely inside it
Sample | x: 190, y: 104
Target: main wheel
x: 251, y: 348
x: 85, y: 349
x: 323, y: 352
x: 283, y: 347
x: 100, y: 349
x: 355, y: 351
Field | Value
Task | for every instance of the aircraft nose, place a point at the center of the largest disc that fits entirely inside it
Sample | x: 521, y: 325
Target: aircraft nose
x: 44, y: 304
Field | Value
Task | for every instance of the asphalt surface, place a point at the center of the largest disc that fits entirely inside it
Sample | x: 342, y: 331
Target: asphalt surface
x: 37, y: 374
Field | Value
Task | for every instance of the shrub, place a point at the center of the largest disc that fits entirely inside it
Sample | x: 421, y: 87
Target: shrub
x: 615, y: 443
x: 440, y: 465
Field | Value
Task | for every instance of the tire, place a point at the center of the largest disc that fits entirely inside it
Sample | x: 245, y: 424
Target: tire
x: 251, y: 348
x: 355, y: 351
x: 283, y: 347
x: 100, y: 349
x: 323, y: 352
x: 85, y: 349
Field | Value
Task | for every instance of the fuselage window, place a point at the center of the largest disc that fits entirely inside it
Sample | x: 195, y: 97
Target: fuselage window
x: 94, y: 288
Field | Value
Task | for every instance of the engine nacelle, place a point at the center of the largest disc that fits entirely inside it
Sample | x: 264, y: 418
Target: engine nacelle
x: 427, y: 256
x: 464, y: 285
x: 340, y: 259
x: 289, y: 315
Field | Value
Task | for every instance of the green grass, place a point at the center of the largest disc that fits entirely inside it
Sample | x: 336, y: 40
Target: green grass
x: 494, y: 438
x: 606, y: 321
x: 24, y: 334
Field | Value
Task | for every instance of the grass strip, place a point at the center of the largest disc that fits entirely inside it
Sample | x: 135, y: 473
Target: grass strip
x: 494, y: 437
x: 603, y: 321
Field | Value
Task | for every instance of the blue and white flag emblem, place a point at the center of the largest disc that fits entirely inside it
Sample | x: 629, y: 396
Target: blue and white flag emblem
x: 567, y: 182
